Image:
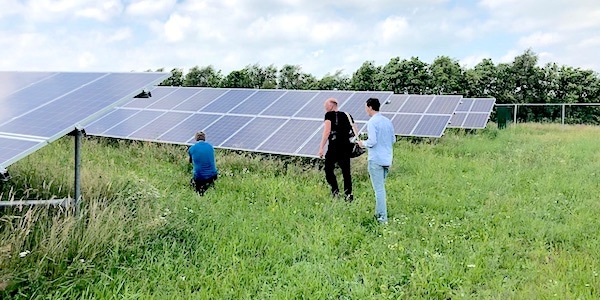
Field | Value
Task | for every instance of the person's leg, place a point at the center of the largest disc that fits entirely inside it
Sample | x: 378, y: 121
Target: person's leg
x: 201, y: 186
x: 330, y: 161
x: 344, y: 163
x: 378, y: 174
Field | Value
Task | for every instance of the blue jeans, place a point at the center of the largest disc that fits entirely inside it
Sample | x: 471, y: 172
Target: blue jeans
x: 378, y: 175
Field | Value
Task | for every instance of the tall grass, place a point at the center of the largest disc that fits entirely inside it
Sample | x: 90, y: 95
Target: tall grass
x: 496, y: 214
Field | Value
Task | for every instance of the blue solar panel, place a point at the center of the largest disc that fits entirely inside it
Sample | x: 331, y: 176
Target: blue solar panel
x: 128, y: 126
x: 355, y: 105
x: 258, y: 102
x: 11, y: 148
x: 228, y: 101
x: 404, y: 124
x: 472, y: 113
x: 393, y: 104
x: 431, y: 126
x: 159, y: 126
x: 253, y: 134
x: 157, y: 94
x: 175, y: 98
x: 183, y: 133
x: 290, y: 103
x: 311, y: 148
x: 201, y: 99
x: 444, y: 105
x: 109, y: 120
x: 46, y: 106
x: 290, y: 137
x: 315, y: 108
x: 416, y: 104
x: 224, y: 128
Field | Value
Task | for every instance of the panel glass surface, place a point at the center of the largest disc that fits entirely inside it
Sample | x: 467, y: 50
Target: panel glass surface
x: 465, y: 104
x: 11, y: 82
x: 253, y: 134
x: 157, y: 94
x: 416, y: 104
x: 133, y: 123
x: 484, y: 105
x: 457, y: 119
x: 290, y: 137
x: 258, y: 102
x: 183, y: 133
x: 10, y: 149
x: 173, y: 99
x: 228, y: 101
x: 404, y: 124
x: 355, y: 105
x: 395, y: 102
x: 290, y: 103
x: 476, y: 120
x: 200, y: 99
x: 62, y: 115
x: 109, y: 120
x: 224, y: 128
x: 431, y: 126
x: 311, y: 148
x: 444, y: 105
x: 315, y: 109
x: 160, y: 125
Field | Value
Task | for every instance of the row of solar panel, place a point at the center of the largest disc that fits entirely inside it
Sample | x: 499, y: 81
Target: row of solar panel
x: 37, y: 108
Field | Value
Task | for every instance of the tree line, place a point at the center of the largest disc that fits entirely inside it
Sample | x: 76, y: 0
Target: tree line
x: 520, y: 81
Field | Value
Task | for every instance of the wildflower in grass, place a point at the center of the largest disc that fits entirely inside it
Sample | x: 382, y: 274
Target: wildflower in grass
x: 470, y: 266
x: 24, y: 253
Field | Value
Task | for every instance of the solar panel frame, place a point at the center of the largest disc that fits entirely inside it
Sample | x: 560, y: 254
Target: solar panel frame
x: 472, y: 113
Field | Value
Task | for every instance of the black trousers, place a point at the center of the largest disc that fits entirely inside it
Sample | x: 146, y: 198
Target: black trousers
x: 342, y: 159
x: 202, y: 185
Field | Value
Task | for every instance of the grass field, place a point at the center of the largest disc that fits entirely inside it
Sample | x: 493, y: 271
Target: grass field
x: 509, y: 214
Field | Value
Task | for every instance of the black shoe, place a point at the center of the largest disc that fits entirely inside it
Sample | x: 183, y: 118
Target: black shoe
x: 349, y: 198
x: 335, y: 194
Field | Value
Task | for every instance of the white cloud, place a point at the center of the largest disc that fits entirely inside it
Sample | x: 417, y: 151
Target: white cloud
x: 540, y: 39
x: 393, y: 28
x: 148, y: 8
x: 177, y: 28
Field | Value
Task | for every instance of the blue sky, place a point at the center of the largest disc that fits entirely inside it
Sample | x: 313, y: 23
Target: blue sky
x: 322, y: 36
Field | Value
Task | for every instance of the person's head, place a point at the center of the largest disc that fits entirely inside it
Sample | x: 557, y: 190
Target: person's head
x: 372, y: 106
x: 200, y: 136
x: 331, y: 104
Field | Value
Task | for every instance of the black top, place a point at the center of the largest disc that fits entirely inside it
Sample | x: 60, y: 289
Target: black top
x: 340, y: 128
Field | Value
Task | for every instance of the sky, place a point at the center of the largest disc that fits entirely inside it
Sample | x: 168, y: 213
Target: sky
x: 320, y: 36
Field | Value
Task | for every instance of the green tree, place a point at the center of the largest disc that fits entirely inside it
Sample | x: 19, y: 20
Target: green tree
x: 205, y: 76
x: 390, y: 78
x: 414, y: 76
x: 337, y: 81
x: 447, y: 76
x: 176, y: 78
x: 481, y: 81
x: 291, y: 77
x: 262, y: 78
x: 366, y: 78
x: 237, y: 79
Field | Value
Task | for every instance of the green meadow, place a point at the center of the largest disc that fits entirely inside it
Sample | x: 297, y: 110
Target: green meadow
x: 491, y: 214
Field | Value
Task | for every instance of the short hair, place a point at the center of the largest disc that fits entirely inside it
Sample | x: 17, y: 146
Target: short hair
x: 373, y: 103
x: 200, y: 135
x: 333, y: 100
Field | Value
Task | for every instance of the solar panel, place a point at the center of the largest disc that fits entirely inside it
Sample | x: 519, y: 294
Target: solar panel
x: 40, y: 107
x: 472, y: 113
x: 273, y: 121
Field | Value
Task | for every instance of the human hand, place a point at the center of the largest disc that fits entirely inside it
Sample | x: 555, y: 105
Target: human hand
x: 321, y: 153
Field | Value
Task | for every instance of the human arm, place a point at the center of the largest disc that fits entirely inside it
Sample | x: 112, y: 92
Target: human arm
x: 372, y: 139
x: 326, y: 131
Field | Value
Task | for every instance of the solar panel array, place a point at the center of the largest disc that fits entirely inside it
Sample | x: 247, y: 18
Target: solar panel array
x: 472, y: 113
x: 271, y: 121
x: 37, y: 108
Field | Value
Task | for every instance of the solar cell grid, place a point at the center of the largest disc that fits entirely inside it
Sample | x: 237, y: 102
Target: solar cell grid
x: 290, y: 137
x: 475, y: 120
x: 157, y: 94
x: 183, y: 133
x: 404, y: 124
x: 125, y: 128
x: 11, y: 82
x: 483, y: 105
x: 160, y: 125
x: 315, y: 109
x: 395, y: 102
x: 444, y: 105
x: 11, y: 148
x: 254, y: 133
x: 465, y: 105
x: 290, y: 103
x: 431, y: 126
x: 228, y: 101
x: 457, y: 119
x: 416, y: 104
x: 109, y: 120
x: 258, y: 102
x: 355, y: 105
x: 175, y: 98
x: 224, y: 128
x: 200, y: 99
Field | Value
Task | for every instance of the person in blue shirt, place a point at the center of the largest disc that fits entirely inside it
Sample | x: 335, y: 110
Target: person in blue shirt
x: 381, y: 138
x: 202, y: 157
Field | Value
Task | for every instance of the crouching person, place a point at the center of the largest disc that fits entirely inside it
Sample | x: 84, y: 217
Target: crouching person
x: 202, y: 157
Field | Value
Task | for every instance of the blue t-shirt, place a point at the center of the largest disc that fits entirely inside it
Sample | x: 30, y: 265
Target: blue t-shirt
x: 203, y: 159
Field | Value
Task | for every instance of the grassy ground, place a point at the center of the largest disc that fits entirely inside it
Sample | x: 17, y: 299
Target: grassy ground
x: 510, y: 214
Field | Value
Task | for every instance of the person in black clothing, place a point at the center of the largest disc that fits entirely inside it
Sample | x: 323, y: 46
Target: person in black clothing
x: 336, y: 132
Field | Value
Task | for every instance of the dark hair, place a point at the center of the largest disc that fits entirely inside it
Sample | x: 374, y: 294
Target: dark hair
x: 373, y: 103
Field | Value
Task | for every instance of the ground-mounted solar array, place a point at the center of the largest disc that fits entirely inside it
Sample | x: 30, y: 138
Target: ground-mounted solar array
x: 472, y: 113
x: 37, y: 108
x: 271, y: 121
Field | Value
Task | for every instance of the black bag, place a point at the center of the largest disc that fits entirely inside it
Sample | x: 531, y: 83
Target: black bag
x: 357, y: 150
